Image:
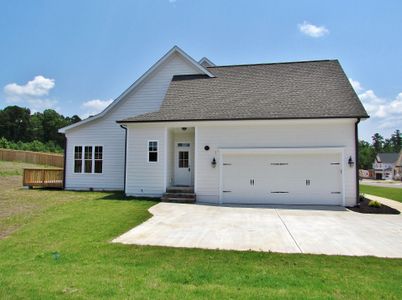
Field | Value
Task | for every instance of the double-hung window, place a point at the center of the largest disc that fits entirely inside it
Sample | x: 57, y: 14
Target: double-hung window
x: 77, y: 159
x: 88, y: 159
x: 152, y: 151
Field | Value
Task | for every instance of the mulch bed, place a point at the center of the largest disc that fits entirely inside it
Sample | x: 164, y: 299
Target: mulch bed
x: 364, y: 208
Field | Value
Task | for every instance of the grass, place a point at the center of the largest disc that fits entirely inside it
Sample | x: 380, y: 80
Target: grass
x: 60, y: 248
x: 385, y: 192
x: 12, y: 168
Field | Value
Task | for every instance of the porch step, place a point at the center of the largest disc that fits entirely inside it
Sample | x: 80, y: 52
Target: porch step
x: 180, y: 189
x: 178, y: 200
x: 179, y: 194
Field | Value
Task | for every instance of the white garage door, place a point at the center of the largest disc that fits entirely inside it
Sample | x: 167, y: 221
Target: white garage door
x: 282, y: 179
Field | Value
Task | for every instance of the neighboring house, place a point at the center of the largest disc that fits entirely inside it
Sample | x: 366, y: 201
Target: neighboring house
x: 386, y: 166
x: 275, y: 133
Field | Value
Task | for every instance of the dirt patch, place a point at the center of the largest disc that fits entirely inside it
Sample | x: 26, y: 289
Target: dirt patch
x: 7, y: 231
x: 364, y: 208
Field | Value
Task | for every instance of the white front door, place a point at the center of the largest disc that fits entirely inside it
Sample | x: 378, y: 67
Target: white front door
x: 183, y: 164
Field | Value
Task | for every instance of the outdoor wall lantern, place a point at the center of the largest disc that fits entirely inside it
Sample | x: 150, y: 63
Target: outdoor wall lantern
x: 213, y: 163
x: 351, y: 162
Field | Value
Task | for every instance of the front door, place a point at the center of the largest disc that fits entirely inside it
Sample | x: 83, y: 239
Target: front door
x: 183, y: 163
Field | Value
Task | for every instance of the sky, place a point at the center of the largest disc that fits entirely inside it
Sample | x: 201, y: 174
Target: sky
x: 77, y: 56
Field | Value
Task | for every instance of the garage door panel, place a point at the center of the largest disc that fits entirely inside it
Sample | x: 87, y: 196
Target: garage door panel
x: 282, y: 179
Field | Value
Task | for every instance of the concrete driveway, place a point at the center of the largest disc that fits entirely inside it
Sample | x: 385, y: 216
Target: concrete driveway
x: 279, y: 229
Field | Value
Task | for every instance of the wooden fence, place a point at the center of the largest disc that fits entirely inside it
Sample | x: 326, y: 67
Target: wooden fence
x: 41, y: 158
x: 43, y: 178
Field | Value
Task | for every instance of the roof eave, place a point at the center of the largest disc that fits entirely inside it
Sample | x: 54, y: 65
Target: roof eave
x: 238, y: 119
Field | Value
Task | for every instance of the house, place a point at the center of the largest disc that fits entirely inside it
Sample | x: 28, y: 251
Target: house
x: 387, y: 166
x: 273, y: 133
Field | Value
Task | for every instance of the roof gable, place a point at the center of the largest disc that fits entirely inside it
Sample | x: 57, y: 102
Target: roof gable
x: 205, y: 62
x: 137, y: 83
x: 388, y: 158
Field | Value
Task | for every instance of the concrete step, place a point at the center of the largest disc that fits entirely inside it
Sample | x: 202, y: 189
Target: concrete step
x: 180, y: 189
x: 178, y: 200
x: 179, y: 195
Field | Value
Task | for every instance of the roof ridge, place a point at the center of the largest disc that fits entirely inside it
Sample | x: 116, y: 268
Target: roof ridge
x: 274, y: 63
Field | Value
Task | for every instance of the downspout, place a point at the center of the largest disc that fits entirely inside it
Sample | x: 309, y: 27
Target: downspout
x: 357, y: 160
x: 65, y: 162
x: 125, y: 155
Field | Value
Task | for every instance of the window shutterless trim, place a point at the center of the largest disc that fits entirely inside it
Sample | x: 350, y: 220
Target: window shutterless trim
x: 157, y: 151
x: 92, y: 159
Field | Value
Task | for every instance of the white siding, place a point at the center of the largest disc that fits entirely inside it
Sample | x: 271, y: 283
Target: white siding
x: 145, y: 178
x: 106, y: 132
x: 268, y: 134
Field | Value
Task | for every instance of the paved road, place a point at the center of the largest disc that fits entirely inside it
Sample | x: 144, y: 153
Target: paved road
x: 329, y: 230
x: 381, y: 184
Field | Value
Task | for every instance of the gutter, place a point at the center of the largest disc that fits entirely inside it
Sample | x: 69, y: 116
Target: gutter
x: 125, y: 155
x: 240, y: 119
x: 357, y: 160
x: 65, y: 162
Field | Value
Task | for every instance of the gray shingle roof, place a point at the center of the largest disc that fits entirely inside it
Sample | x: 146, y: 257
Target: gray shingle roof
x: 314, y: 89
x: 388, y: 158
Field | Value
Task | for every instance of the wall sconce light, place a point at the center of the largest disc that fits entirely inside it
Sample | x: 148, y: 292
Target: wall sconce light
x: 213, y: 163
x: 351, y: 162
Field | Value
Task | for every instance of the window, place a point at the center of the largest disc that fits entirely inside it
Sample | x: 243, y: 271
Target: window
x: 152, y: 151
x: 183, y: 159
x: 88, y: 159
x: 98, y: 159
x: 77, y: 159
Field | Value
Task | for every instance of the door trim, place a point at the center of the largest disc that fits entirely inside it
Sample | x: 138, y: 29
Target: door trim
x: 176, y: 151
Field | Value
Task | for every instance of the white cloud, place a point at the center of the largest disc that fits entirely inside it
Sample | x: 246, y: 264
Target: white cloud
x: 39, y: 86
x: 385, y: 114
x: 32, y: 94
x: 356, y: 85
x: 38, y: 105
x: 93, y: 107
x: 313, y: 30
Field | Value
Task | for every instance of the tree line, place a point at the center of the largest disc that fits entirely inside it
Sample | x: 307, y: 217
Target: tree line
x: 21, y: 130
x: 379, y: 144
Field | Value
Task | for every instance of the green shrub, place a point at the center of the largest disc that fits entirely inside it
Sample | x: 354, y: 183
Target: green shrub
x: 35, y: 145
x: 374, y: 203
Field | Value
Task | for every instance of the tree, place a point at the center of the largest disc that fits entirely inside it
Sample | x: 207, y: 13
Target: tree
x: 15, y: 123
x: 366, y: 155
x: 18, y: 125
x: 378, y: 142
x: 396, y: 141
x: 37, y: 132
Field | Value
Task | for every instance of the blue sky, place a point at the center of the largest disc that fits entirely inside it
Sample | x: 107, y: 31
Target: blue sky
x: 75, y: 56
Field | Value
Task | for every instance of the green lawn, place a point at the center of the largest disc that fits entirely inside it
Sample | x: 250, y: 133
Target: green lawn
x: 59, y: 248
x: 390, y: 193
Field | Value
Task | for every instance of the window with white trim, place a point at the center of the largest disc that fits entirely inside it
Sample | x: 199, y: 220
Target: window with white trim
x: 77, y: 159
x: 152, y: 151
x: 88, y: 159
x: 98, y: 159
